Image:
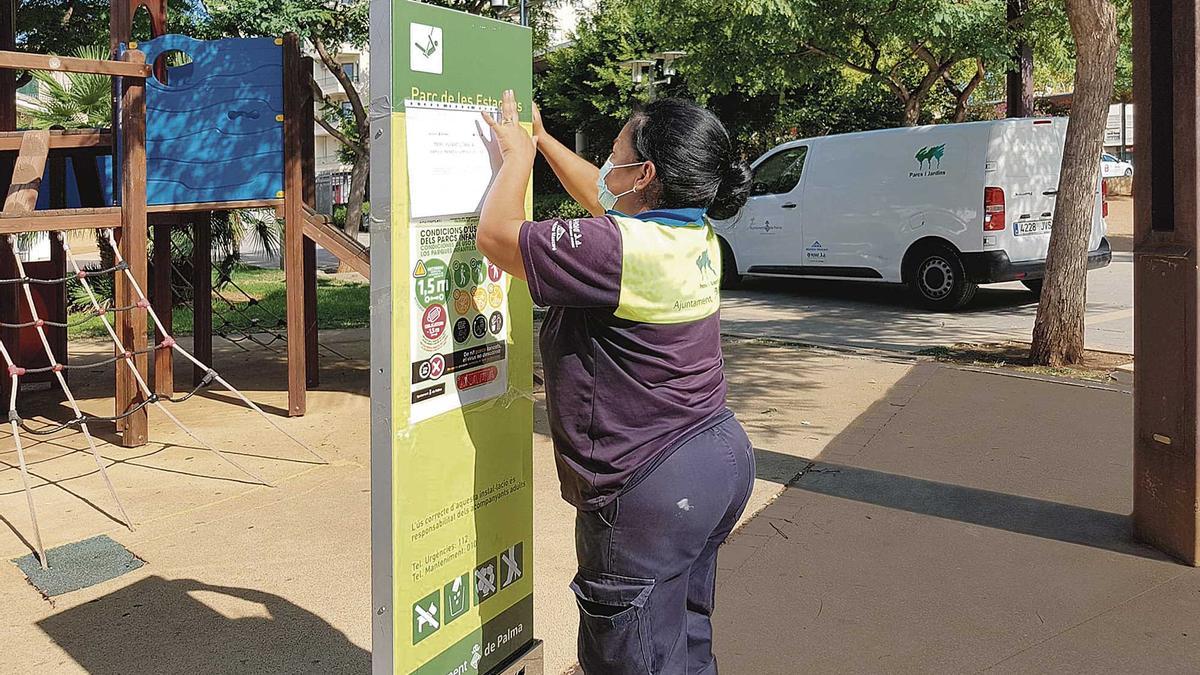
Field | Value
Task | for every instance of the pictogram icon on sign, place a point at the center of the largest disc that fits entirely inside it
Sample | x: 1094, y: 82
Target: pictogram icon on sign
x: 510, y: 565
x: 433, y: 322
x: 437, y: 366
x: 485, y: 580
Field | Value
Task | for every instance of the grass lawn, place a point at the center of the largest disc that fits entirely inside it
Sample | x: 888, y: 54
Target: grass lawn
x: 340, y: 304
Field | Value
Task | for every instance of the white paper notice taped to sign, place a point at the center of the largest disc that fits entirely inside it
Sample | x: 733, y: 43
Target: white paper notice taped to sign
x: 460, y: 317
x: 452, y: 158
x: 459, y: 303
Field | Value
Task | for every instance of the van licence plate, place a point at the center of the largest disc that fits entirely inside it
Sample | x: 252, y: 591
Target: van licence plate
x: 1032, y: 227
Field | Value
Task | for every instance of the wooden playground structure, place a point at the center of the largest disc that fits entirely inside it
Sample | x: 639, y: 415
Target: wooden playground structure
x: 62, y: 180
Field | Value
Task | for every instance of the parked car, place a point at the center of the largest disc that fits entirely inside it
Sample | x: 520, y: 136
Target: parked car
x: 1111, y: 167
x: 941, y: 208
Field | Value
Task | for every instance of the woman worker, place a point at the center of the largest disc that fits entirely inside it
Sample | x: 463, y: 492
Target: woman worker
x: 646, y: 450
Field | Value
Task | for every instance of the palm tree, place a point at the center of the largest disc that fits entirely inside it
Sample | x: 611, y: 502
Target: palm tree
x: 77, y: 100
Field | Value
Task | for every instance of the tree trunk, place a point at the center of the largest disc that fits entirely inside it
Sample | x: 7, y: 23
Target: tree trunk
x: 962, y: 97
x: 358, y: 190
x: 359, y: 175
x: 1058, y: 330
x: 1019, y: 79
x: 912, y: 110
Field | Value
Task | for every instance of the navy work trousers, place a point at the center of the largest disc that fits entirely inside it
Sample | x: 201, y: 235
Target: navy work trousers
x: 648, y: 560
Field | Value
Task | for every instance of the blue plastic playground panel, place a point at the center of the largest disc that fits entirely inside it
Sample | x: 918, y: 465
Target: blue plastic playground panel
x: 214, y: 131
x: 103, y: 168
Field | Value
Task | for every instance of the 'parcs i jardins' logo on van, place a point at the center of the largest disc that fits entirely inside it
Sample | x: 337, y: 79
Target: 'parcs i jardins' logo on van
x: 929, y: 161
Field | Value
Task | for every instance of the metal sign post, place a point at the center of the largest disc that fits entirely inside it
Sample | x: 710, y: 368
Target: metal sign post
x: 451, y: 354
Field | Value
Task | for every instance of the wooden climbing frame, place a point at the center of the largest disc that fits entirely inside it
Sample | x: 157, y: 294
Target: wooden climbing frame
x: 305, y: 228
x: 33, y: 152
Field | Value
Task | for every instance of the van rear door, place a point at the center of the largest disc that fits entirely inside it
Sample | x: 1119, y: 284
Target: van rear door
x: 1024, y: 160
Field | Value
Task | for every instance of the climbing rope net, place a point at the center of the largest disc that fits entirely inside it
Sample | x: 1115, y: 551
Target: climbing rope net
x: 239, y: 317
x: 103, y: 310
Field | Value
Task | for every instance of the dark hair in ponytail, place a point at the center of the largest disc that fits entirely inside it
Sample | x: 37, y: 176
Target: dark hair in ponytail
x: 693, y: 156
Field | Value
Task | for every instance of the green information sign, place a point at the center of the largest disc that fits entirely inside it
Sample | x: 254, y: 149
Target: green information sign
x: 451, y: 352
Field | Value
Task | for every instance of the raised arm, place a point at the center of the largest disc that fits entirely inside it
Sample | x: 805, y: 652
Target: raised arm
x: 499, y: 233
x: 576, y: 174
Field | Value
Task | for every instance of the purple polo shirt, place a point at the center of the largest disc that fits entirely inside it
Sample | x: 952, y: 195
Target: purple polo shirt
x: 621, y: 394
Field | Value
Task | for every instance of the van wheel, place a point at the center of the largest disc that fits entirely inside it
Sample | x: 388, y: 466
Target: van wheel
x: 1128, y: 173
x: 939, y: 281
x: 1034, y: 285
x: 730, y: 279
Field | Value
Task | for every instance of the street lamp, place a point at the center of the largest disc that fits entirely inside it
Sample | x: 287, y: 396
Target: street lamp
x: 502, y: 4
x: 645, y: 72
x: 668, y: 62
x: 638, y: 68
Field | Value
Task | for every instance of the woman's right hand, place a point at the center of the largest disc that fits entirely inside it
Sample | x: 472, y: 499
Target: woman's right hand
x: 538, y: 129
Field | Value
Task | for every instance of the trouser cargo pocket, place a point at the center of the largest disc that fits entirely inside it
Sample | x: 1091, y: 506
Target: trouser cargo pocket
x: 614, y: 626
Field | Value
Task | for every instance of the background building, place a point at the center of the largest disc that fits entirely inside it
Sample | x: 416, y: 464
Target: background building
x: 331, y: 170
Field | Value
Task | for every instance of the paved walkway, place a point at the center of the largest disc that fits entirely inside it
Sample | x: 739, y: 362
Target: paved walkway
x: 952, y: 521
x: 881, y: 316
x: 966, y: 522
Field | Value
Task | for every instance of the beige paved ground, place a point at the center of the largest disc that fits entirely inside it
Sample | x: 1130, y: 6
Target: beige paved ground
x: 239, y: 577
x: 969, y: 522
x: 1120, y: 222
x: 792, y: 400
x: 252, y: 579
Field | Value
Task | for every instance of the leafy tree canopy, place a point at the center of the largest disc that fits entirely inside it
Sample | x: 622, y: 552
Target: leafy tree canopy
x: 64, y: 26
x: 911, y: 47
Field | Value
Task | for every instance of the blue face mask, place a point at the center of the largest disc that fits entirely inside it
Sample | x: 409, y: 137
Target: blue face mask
x: 607, y: 199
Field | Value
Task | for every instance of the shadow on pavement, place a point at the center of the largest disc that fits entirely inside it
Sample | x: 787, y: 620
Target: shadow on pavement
x: 997, y: 510
x: 876, y: 316
x: 963, y: 518
x: 169, y: 626
x: 892, y: 429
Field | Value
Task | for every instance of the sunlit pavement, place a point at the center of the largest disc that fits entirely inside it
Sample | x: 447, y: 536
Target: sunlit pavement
x: 878, y: 316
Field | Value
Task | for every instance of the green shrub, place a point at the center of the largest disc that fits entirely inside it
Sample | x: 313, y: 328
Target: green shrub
x: 78, y: 299
x: 557, y: 205
x: 339, y: 216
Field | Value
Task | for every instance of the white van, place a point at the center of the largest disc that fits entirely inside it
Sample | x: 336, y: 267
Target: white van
x: 942, y: 208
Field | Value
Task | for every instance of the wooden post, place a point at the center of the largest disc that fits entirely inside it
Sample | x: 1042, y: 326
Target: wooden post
x: 28, y: 173
x: 201, y: 293
x: 164, y: 302
x: 56, y: 295
x: 120, y: 19
x: 312, y: 363
x: 1166, y: 506
x: 9, y: 305
x: 132, y: 166
x: 293, y: 204
x: 308, y: 162
x: 8, y: 78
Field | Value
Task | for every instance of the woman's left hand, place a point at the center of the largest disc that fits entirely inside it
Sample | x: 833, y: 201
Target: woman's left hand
x: 515, y: 142
x: 503, y: 213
